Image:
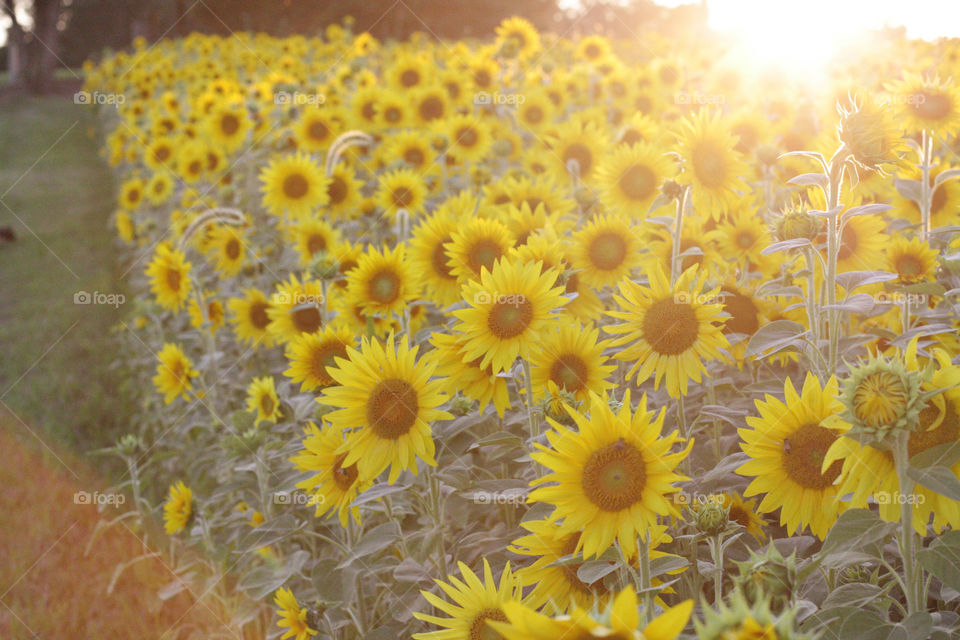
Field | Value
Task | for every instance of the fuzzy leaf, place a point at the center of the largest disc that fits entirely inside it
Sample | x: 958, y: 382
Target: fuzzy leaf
x: 942, y: 559
x: 775, y: 336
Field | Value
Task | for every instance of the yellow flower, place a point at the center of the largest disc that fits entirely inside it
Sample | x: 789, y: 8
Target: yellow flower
x: 336, y: 485
x: 177, y: 509
x: 251, y: 318
x: 292, y: 616
x: 174, y: 373
x: 913, y: 260
x: 294, y: 185
x: 312, y: 354
x: 262, y: 399
x: 606, y: 250
x: 712, y: 166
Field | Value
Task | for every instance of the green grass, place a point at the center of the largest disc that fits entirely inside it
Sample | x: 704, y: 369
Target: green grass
x: 55, y: 356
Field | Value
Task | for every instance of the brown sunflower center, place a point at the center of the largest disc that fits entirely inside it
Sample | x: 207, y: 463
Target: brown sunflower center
x: 229, y: 124
x: 534, y: 115
x: 431, y: 108
x: 467, y: 137
x: 195, y: 167
x: 307, y: 319
x: 325, y: 355
x: 582, y: 154
x: 803, y: 454
x: 909, y: 266
x: 232, y: 248
x: 384, y: 286
x: 509, y: 319
x: 947, y: 431
x: 344, y: 477
x: 414, y: 156
x: 439, y: 259
x: 295, y: 186
x: 480, y: 630
x: 607, y: 251
x: 392, y: 408
x: 337, y: 190
x: 614, y: 476
x: 401, y: 197
x: 173, y: 279
x: 318, y: 130
x: 410, y: 78
x: 739, y: 515
x: 934, y: 106
x: 638, y: 182
x: 743, y: 312
x: 483, y: 253
x: 161, y: 154
x: 267, y: 404
x: 258, y: 315
x: 570, y: 372
x: 710, y: 165
x: 316, y: 242
x: 670, y: 327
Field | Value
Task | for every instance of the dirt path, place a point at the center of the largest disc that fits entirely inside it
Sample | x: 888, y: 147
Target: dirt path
x: 49, y: 587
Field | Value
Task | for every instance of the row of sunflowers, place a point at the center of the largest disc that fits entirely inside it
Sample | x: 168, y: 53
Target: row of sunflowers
x: 538, y: 337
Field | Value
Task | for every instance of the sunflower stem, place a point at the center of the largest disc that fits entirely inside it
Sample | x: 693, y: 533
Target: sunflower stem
x: 532, y: 420
x: 643, y: 549
x: 716, y: 553
x: 911, y: 574
x: 837, y: 166
x: 677, y: 235
x: 926, y: 193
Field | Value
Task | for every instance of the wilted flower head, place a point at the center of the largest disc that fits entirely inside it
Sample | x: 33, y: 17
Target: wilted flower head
x: 871, y: 135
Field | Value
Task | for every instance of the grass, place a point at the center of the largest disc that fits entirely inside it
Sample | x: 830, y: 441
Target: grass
x: 55, y: 367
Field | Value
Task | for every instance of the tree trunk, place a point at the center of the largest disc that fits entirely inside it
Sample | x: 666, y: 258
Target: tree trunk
x: 16, y: 56
x: 43, y: 47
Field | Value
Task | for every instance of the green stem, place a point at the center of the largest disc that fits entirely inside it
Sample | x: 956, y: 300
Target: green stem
x: 645, y: 579
x: 532, y: 418
x: 675, y: 263
x: 911, y: 571
x: 837, y: 166
x: 716, y: 553
x: 926, y: 193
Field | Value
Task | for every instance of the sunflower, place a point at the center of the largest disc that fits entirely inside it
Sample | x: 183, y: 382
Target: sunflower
x: 536, y: 113
x: 610, y: 478
x: 473, y: 604
x: 508, y: 309
x: 262, y: 400
x: 192, y: 161
x: 913, y: 260
x: 744, y: 513
x: 294, y: 184
x: 594, y: 49
x: 862, y: 240
x: 295, y: 308
x: 712, y: 166
x: 429, y: 260
x: 382, y: 282
x: 401, y: 189
x: 227, y: 126
x: 630, y: 178
x: 872, y: 135
x: 944, y: 199
x: 292, y: 616
x: 124, y: 224
x: 620, y: 620
x: 576, y: 148
x: 159, y: 187
x: 517, y: 36
x: 476, y: 245
x: 572, y: 358
x: 413, y: 149
x: 668, y: 331
x: 343, y: 191
x: 741, y: 238
x: 313, y: 235
x: 388, y: 402
x: 470, y: 138
x: 478, y: 383
x: 787, y: 444
x: 317, y: 128
x: 169, y: 274
x: 393, y: 110
x: 639, y: 129
x: 409, y: 72
x: 430, y: 103
x: 250, y: 318
x: 178, y: 508
x: 210, y: 315
x: 334, y: 486
x: 131, y: 194
x: 868, y: 471
x: 927, y: 104
x: 227, y: 247
x: 606, y: 250
x: 174, y: 373
x: 312, y: 354
x: 159, y: 153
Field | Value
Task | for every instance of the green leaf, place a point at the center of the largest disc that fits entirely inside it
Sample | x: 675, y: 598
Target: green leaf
x: 909, y: 189
x: 378, y: 491
x: 851, y: 280
x: 810, y: 179
x: 590, y: 572
x: 775, y: 336
x: 943, y: 176
x: 942, y: 559
x: 945, y: 455
x: 667, y: 564
x: 866, y: 210
x: 856, y: 594
x: 499, y: 438
x: 784, y: 245
x: 377, y: 539
x: 855, y: 530
x: 937, y: 478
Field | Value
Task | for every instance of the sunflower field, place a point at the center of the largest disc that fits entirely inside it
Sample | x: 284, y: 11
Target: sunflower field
x: 540, y: 337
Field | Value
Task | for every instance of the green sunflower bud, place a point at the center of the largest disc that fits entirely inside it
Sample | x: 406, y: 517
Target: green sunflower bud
x: 741, y: 619
x: 796, y: 223
x: 768, y: 577
x: 712, y: 518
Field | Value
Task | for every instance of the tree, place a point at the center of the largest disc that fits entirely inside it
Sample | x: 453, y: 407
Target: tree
x: 32, y: 54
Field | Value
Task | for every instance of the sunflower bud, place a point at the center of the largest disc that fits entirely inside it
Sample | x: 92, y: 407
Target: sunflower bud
x: 742, y: 619
x: 882, y: 397
x: 324, y: 267
x: 460, y: 405
x: 671, y: 190
x: 796, y: 222
x: 129, y: 444
x: 768, y: 577
x: 712, y: 518
x: 855, y: 574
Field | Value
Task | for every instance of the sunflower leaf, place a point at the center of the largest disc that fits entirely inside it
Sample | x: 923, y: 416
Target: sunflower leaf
x: 942, y: 559
x: 775, y: 336
x: 945, y: 455
x: 855, y: 530
x: 851, y: 280
x: 866, y: 210
x: 944, y: 176
x: 593, y: 570
x: 810, y: 179
x: 909, y: 189
x: 783, y: 245
x: 936, y: 478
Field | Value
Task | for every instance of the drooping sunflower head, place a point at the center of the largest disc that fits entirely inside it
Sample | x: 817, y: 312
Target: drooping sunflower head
x: 768, y: 576
x: 738, y: 619
x: 293, y: 617
x: 871, y: 135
